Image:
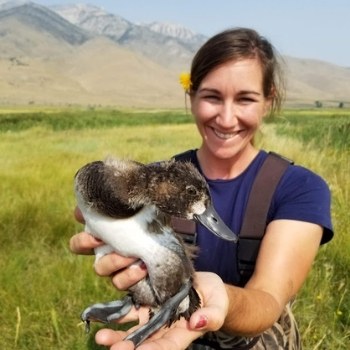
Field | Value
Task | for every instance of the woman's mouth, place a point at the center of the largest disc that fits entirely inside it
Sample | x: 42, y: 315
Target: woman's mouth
x: 225, y: 135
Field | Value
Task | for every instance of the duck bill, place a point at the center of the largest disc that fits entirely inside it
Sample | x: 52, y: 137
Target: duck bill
x: 212, y: 221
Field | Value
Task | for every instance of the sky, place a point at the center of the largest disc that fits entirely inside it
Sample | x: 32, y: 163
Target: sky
x: 316, y: 29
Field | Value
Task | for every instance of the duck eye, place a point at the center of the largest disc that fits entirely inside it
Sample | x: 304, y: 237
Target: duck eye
x: 191, y: 190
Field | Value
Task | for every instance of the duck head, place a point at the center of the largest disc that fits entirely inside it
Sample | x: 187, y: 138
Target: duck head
x: 178, y: 189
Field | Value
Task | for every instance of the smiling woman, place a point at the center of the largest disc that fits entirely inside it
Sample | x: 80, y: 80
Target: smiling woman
x: 234, y: 84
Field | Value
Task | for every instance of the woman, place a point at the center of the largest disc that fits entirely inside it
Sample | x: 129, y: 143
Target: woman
x: 235, y: 83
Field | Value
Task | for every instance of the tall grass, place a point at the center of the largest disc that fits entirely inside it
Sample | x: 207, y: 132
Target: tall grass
x: 43, y: 287
x: 323, y: 303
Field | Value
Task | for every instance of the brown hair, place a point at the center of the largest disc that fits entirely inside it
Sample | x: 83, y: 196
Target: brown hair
x: 237, y: 44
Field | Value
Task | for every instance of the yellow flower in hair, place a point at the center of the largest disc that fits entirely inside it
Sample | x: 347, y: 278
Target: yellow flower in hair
x: 185, y: 81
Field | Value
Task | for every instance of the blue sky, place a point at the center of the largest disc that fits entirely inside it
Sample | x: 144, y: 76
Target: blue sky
x: 318, y: 29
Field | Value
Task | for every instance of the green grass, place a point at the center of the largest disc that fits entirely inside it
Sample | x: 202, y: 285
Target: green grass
x: 324, y: 128
x: 44, y: 287
x: 78, y: 119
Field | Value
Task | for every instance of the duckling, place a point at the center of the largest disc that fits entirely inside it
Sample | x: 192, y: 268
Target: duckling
x: 129, y: 205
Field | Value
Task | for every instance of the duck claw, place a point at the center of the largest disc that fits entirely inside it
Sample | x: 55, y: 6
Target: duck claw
x: 106, y: 312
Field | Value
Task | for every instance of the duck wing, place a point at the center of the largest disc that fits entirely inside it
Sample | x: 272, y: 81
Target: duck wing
x: 104, y: 187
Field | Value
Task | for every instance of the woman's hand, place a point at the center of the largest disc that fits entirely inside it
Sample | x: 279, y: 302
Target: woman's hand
x: 124, y: 271
x: 210, y: 317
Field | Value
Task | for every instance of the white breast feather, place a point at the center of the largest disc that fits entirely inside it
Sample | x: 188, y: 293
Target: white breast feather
x: 124, y: 236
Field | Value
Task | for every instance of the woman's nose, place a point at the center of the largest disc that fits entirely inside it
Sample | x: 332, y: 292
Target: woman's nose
x: 227, y: 116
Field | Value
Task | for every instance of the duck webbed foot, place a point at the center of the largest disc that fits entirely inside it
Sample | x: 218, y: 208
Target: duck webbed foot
x: 163, y: 317
x: 114, y: 310
x: 106, y: 312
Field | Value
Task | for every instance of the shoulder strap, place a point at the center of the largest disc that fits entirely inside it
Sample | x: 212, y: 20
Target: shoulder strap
x: 184, y: 156
x: 263, y: 188
x: 254, y: 221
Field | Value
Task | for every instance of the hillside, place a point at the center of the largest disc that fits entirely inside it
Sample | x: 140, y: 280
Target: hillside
x: 311, y: 80
x: 80, y: 54
x: 85, y: 76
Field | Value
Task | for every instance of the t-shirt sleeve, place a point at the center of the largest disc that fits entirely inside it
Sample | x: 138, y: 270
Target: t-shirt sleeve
x: 304, y: 196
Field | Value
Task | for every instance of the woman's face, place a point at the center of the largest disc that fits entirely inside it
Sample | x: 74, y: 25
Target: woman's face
x: 229, y: 106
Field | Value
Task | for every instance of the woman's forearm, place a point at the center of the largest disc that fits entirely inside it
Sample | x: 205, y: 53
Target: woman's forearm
x: 250, y: 311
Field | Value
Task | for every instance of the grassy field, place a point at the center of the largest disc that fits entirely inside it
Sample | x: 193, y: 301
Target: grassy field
x: 43, y: 287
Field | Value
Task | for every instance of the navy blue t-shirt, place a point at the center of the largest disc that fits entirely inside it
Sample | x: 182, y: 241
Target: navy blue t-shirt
x: 300, y: 195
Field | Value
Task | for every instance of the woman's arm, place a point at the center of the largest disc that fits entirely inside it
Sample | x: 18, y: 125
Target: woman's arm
x: 285, y: 258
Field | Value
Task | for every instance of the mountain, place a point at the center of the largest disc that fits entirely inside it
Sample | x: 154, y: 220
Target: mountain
x: 46, y: 59
x: 177, y: 31
x: 81, y: 54
x: 94, y: 19
x: 42, y: 19
x: 169, y: 45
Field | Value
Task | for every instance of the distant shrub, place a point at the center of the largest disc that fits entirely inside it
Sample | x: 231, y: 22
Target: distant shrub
x: 88, y: 119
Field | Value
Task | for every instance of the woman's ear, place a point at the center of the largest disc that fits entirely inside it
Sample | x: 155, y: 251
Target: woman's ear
x: 269, y: 102
x: 267, y: 107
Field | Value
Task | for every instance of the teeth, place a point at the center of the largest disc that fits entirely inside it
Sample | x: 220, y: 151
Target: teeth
x: 225, y: 136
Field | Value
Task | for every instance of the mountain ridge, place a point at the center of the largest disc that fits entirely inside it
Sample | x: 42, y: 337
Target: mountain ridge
x: 44, y: 19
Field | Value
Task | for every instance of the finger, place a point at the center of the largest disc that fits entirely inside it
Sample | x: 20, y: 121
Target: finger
x: 84, y: 243
x: 175, y: 338
x: 130, y: 275
x: 111, y: 263
x: 170, y: 340
x: 125, y: 345
x: 138, y: 314
x: 208, y: 318
x: 108, y: 337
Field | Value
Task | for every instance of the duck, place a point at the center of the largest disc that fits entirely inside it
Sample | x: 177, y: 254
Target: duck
x: 129, y: 206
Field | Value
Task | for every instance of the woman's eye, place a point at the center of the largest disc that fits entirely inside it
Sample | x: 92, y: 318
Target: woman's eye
x: 246, y: 100
x: 211, y: 97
